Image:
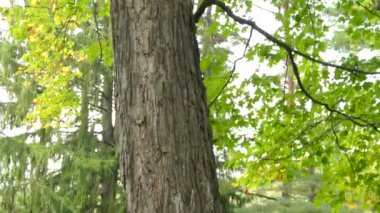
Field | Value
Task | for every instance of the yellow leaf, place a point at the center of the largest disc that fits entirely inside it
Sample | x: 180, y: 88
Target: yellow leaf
x: 351, y: 206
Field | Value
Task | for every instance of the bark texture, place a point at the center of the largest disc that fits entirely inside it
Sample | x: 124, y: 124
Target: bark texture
x: 162, y: 125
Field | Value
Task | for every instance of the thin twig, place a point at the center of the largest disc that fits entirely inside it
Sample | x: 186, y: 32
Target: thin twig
x: 264, y: 9
x: 341, y: 147
x: 97, y: 107
x: 285, y: 79
x: 246, y: 192
x: 233, y: 69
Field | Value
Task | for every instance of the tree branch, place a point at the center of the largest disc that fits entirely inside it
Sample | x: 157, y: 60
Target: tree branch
x: 356, y: 120
x: 284, y: 45
x: 246, y: 192
x: 201, y: 9
x: 367, y: 9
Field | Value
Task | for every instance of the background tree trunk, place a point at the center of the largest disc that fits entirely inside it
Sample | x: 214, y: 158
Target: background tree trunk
x: 162, y: 125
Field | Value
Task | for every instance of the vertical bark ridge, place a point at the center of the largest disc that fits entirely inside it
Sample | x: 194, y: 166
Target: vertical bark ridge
x: 161, y: 113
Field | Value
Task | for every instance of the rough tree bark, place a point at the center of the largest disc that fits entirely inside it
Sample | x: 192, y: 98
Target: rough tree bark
x: 162, y: 125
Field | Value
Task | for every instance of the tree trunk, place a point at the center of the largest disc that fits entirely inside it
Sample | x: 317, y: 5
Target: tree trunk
x: 162, y: 126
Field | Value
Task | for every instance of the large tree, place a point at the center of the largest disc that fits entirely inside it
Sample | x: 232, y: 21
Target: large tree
x: 162, y: 121
x: 319, y: 141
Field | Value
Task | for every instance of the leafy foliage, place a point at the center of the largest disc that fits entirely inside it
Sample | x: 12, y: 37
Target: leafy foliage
x: 57, y: 69
x: 283, y: 142
x: 56, y: 65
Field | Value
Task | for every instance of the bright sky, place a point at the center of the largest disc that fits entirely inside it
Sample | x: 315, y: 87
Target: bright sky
x: 264, y: 18
x: 3, y: 96
x: 4, y: 3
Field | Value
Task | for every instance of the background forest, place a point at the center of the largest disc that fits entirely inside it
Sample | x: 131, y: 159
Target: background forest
x: 294, y: 105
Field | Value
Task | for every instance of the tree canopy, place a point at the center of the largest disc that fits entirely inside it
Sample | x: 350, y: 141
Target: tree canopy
x: 295, y: 109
